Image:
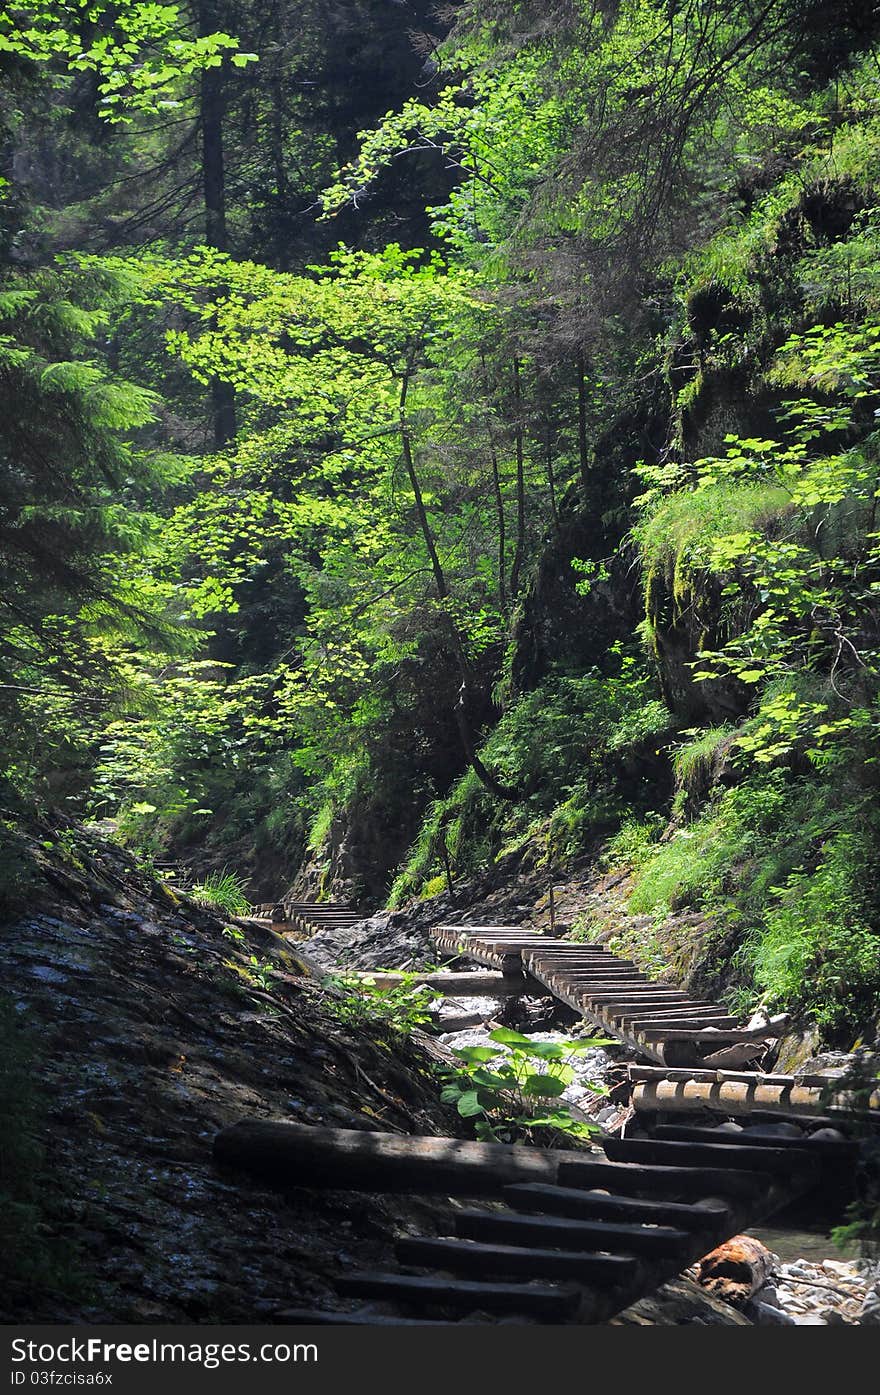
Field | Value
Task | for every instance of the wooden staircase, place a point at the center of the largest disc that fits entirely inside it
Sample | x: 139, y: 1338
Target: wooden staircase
x: 304, y: 917
x: 576, y: 1236
x: 659, y: 1021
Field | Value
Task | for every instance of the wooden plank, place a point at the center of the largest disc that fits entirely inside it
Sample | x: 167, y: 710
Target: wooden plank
x: 303, y: 1155
x: 616, y: 1002
x: 582, y: 970
x: 639, y: 1072
x: 631, y: 1179
x: 611, y: 976
x: 471, y: 1257
x: 566, y: 1233
x: 657, y: 1019
x: 655, y: 1151
x: 838, y: 1148
x: 707, y: 1037
x: 538, y: 1300
x: 360, y: 1317
x: 460, y: 985
x: 538, y: 1197
x: 473, y: 929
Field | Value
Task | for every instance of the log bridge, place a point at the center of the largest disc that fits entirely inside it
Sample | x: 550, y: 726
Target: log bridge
x: 663, y: 1023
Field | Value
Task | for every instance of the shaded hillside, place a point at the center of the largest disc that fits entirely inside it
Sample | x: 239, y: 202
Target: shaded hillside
x: 133, y: 1029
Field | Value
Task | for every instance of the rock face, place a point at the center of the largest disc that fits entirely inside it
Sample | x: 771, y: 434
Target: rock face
x: 145, y: 1028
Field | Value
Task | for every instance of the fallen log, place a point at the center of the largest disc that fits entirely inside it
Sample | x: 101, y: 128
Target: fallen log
x: 446, y: 1026
x: 302, y: 1155
x: 463, y: 985
x: 735, y: 1270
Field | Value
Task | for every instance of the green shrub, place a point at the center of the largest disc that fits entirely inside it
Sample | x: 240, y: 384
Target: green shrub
x: 634, y: 843
x: 819, y: 945
x: 223, y: 890
x: 510, y: 1097
x: 359, y: 1001
x: 694, y: 763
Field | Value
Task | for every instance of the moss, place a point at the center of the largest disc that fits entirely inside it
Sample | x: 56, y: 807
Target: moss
x: 696, y: 764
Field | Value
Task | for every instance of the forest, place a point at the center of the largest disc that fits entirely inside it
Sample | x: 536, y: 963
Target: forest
x: 439, y: 471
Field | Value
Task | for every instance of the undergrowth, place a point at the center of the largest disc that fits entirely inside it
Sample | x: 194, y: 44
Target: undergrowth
x: 790, y: 863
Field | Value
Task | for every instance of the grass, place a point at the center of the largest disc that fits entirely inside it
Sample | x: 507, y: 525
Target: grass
x: 789, y: 865
x: 693, y: 763
x: 225, y: 890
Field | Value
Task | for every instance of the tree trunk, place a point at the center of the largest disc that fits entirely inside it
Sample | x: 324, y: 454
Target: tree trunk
x: 461, y: 717
x: 212, y: 104
x: 499, y: 505
x: 519, y: 553
x: 583, y: 447
x: 502, y: 529
x: 551, y: 478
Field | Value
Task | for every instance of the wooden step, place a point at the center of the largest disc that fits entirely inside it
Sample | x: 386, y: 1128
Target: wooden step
x: 821, y: 1147
x: 616, y: 1003
x: 565, y: 1233
x: 361, y: 1317
x: 538, y: 1198
x: 657, y: 1152
x: 631, y: 1179
x: 707, y: 1037
x: 468, y: 1295
x: 304, y: 1155
x: 580, y: 979
x: 654, y: 1021
x: 684, y: 1013
x: 597, y: 973
x: 471, y: 1257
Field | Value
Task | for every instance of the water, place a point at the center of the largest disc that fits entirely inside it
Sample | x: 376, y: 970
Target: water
x: 588, y: 1066
x: 812, y: 1245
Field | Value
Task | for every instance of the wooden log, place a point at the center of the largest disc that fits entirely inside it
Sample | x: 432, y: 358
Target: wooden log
x: 709, y: 1036
x: 538, y: 1300
x: 459, y: 985
x: 302, y: 1155
x: 656, y: 1019
x: 500, y: 1261
x: 649, y: 1150
x: 735, y: 1270
x: 361, y: 1317
x: 543, y: 1199
x: 566, y: 1233
x: 839, y: 1148
x: 740, y: 1053
x: 738, y: 1097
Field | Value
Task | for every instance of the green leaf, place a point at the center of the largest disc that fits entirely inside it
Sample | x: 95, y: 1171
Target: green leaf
x: 547, y: 1050
x: 544, y: 1086
x: 508, y: 1037
x: 475, y: 1053
x: 469, y: 1104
